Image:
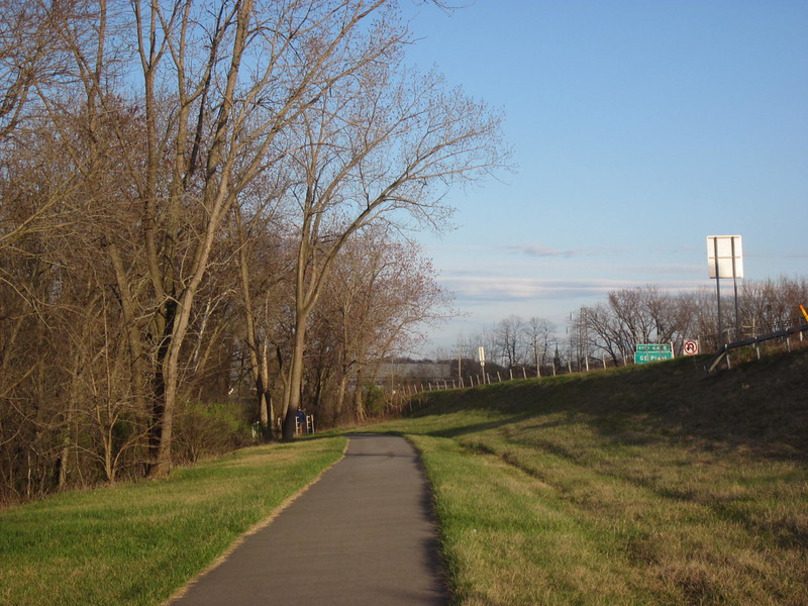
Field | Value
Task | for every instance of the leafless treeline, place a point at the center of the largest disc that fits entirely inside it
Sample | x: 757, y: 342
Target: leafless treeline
x: 184, y: 184
x: 610, y: 330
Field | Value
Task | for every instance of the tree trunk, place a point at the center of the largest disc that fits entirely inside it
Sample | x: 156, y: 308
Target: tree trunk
x: 340, y: 401
x: 158, y: 384
x: 170, y: 374
x: 65, y: 454
x: 265, y: 411
x: 294, y: 386
x: 359, y: 404
x: 165, y: 423
x: 259, y: 366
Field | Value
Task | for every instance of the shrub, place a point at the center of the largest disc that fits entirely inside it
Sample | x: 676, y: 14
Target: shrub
x: 210, y: 429
x: 374, y: 400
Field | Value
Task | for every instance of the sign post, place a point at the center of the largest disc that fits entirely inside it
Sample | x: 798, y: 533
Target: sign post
x: 481, y: 356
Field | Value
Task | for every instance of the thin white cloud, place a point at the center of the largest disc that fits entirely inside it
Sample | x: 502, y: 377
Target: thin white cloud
x: 538, y: 251
x: 695, y: 271
x: 541, y: 252
x: 478, y: 289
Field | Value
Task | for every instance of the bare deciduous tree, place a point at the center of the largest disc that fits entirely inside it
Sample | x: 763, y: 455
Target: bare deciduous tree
x: 169, y: 168
x: 375, y: 150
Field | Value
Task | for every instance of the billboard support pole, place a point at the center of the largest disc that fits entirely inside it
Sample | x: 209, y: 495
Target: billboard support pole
x: 735, y: 286
x: 718, y: 293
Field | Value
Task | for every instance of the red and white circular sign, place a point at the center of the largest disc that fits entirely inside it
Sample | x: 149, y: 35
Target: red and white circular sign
x: 690, y: 347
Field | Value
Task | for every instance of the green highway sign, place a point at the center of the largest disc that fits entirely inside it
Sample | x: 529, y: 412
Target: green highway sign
x: 653, y: 347
x: 652, y: 352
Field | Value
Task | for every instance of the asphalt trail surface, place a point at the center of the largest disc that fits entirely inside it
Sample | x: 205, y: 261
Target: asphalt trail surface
x: 364, y: 534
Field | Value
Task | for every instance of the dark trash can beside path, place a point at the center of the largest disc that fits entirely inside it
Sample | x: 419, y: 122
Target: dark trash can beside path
x: 364, y: 534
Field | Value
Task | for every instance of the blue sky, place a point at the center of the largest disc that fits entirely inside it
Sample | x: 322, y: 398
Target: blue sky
x: 638, y: 128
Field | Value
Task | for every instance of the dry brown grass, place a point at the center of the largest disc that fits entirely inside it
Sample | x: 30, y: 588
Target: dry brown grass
x: 653, y: 486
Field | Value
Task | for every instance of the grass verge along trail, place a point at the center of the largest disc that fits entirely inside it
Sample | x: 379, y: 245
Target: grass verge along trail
x: 137, y: 543
x: 641, y: 486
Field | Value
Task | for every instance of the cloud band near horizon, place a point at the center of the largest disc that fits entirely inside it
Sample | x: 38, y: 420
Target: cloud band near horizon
x: 477, y: 289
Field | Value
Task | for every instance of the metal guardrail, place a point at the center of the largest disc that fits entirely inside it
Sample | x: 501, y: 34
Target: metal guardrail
x: 780, y: 334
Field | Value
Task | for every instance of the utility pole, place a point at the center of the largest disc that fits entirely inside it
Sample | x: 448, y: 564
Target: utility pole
x: 536, y: 354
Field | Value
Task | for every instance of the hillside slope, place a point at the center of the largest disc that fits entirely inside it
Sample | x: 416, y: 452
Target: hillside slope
x: 761, y: 406
x: 652, y: 485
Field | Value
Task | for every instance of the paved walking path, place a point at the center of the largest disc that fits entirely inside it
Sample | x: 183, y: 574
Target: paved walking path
x: 362, y: 535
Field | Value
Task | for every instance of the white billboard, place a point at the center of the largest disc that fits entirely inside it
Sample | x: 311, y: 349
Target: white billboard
x: 729, y: 252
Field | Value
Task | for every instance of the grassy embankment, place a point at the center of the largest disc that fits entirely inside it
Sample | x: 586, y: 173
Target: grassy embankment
x: 637, y: 486
x: 137, y: 543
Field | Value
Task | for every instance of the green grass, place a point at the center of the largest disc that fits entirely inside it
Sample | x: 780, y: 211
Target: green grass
x: 640, y: 486
x: 635, y: 486
x: 137, y: 543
